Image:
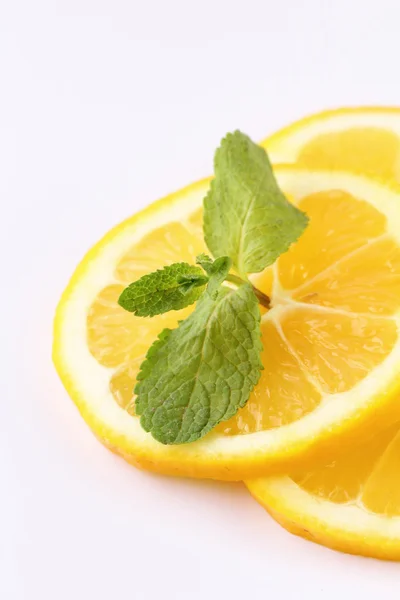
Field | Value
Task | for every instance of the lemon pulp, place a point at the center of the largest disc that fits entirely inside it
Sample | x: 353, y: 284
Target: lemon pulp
x: 366, y: 476
x: 367, y: 149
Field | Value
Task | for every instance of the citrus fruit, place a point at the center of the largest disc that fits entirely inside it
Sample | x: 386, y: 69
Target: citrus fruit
x: 331, y: 340
x: 364, y: 140
x: 350, y: 504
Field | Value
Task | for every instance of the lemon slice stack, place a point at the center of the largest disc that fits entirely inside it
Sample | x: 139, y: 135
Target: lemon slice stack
x: 317, y: 443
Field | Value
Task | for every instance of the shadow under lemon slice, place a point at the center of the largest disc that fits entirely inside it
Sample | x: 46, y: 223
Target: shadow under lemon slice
x: 331, y: 341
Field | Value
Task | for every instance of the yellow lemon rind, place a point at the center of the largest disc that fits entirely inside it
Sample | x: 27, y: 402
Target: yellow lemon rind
x: 347, y: 528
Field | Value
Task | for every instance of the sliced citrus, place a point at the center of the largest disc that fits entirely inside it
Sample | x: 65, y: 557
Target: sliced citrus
x: 331, y: 341
x: 363, y: 140
x: 350, y: 504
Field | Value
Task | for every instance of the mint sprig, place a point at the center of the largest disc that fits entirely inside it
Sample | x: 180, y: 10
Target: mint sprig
x: 202, y: 372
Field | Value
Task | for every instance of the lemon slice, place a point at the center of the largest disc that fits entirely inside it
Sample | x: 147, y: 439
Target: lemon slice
x: 363, y: 140
x: 331, y: 341
x: 350, y: 504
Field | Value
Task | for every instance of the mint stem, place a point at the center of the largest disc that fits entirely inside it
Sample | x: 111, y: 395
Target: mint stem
x: 262, y: 298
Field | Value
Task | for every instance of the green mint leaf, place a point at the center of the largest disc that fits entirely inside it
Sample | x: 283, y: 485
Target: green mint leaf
x: 202, y: 372
x: 216, y: 270
x: 170, y: 288
x: 218, y: 273
x: 205, y: 262
x: 195, y: 278
x: 246, y: 216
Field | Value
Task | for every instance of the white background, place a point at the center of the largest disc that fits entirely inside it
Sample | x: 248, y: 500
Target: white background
x: 104, y: 107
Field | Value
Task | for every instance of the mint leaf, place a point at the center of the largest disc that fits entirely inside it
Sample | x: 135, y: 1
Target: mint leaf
x: 189, y: 282
x: 201, y: 373
x: 196, y: 278
x: 205, y: 262
x: 218, y: 272
x: 246, y: 216
x: 170, y: 288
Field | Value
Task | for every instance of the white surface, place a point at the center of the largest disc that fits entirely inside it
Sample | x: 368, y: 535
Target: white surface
x: 106, y: 106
